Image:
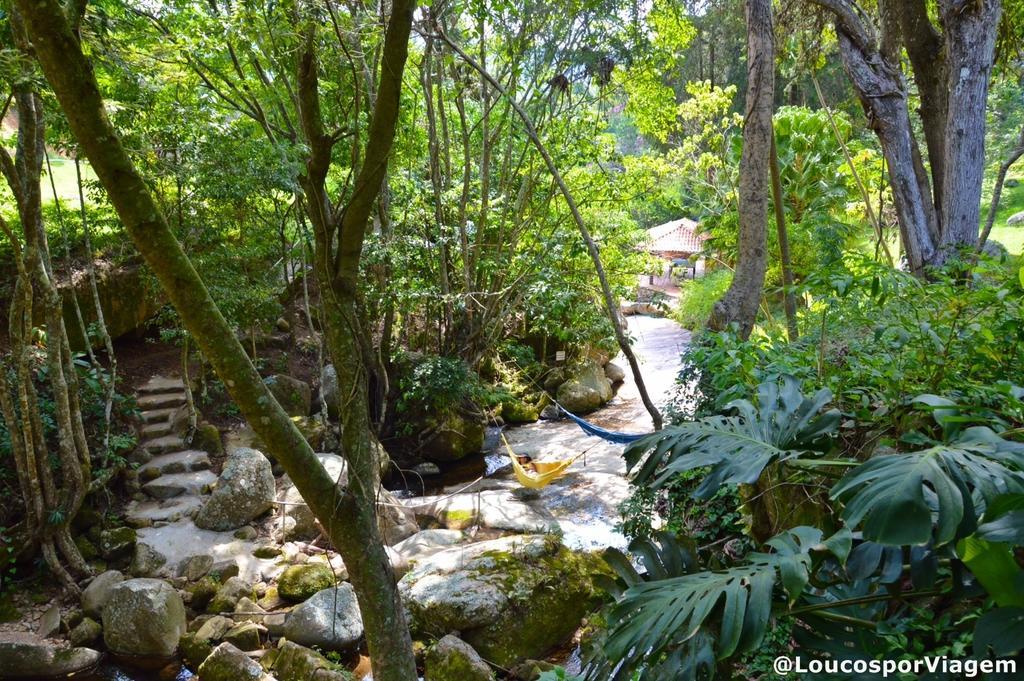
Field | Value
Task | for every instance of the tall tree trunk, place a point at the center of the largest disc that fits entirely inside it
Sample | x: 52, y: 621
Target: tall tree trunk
x: 789, y: 300
x: 71, y: 76
x: 739, y: 304
x: 970, y: 42
x: 997, y: 189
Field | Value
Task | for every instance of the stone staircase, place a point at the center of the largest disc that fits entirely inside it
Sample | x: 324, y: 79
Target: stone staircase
x: 174, y: 477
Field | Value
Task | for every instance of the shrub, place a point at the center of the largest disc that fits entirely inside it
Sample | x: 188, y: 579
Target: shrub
x: 697, y: 296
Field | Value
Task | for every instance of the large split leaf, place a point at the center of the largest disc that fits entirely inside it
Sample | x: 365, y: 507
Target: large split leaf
x: 783, y: 425
x: 897, y: 499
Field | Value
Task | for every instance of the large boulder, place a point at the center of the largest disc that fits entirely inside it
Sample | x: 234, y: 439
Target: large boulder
x: 26, y: 657
x: 515, y: 411
x: 452, y: 659
x: 588, y: 389
x: 453, y: 435
x: 144, y: 617
x: 299, y: 524
x: 228, y: 663
x: 497, y: 509
x: 330, y: 620
x: 96, y: 595
x: 294, y: 396
x: 614, y: 373
x: 299, y: 582
x: 511, y: 598
x: 293, y: 662
x: 244, y: 491
x: 127, y: 297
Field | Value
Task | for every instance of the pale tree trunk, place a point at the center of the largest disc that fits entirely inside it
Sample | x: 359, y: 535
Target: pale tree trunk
x: 970, y: 44
x: 347, y: 513
x: 789, y: 300
x: 997, y: 189
x: 739, y: 304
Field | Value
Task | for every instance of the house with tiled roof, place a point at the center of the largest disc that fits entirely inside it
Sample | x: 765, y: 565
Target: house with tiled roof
x: 678, y: 245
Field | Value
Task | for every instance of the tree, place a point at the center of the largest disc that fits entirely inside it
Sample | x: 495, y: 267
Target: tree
x: 938, y: 211
x: 347, y: 513
x: 739, y: 304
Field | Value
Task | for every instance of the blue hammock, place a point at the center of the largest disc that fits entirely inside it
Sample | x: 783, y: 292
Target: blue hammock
x: 609, y: 435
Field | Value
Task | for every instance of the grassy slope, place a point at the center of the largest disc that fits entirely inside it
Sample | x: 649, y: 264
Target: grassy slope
x: 1012, y: 201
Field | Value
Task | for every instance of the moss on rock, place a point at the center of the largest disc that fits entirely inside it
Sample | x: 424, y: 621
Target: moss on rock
x: 300, y: 582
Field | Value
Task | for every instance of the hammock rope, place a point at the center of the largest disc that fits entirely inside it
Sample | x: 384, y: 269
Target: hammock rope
x: 589, y: 428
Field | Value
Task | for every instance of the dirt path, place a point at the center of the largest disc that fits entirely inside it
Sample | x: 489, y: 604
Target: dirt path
x: 585, y: 502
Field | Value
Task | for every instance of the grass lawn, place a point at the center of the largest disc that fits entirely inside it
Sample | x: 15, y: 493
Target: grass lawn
x: 64, y: 179
x: 1012, y: 201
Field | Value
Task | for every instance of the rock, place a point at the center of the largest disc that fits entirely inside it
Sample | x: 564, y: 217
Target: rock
x: 117, y: 542
x: 266, y: 551
x: 1016, y: 219
x: 228, y: 594
x: 228, y: 663
x: 517, y: 411
x: 245, y: 533
x: 244, y: 636
x: 1011, y: 183
x: 86, y: 633
x: 330, y: 620
x: 214, y: 628
x: 300, y: 582
x: 23, y: 657
x: 329, y: 389
x: 244, y: 491
x: 497, y: 509
x: 86, y: 547
x: 143, y: 617
x: 225, y: 569
x: 614, y: 373
x: 96, y: 595
x: 453, y: 436
x: 452, y: 659
x: 555, y: 378
x: 146, y: 561
x: 426, y: 468
x: 195, y: 567
x: 395, y: 521
x: 510, y: 598
x: 298, y: 663
x: 586, y: 391
x: 282, y: 325
x: 994, y: 249
x: 127, y: 298
x: 313, y: 430
x: 294, y: 396
x: 201, y: 592
x: 551, y: 413
x: 248, y: 611
x: 426, y: 543
x: 194, y: 650
x: 49, y: 623
x: 207, y: 438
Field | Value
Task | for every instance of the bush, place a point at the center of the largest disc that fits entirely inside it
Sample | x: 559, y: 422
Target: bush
x: 697, y: 296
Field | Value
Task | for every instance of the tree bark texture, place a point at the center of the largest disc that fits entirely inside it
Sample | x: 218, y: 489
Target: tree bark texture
x: 740, y: 303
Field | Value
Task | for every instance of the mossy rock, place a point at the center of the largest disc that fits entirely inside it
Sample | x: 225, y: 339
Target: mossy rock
x: 300, y: 582
x: 294, y: 396
x: 194, y: 650
x: 86, y: 548
x: 207, y: 438
x: 203, y: 590
x: 117, y: 542
x: 293, y: 662
x: 519, y: 411
x: 454, y: 436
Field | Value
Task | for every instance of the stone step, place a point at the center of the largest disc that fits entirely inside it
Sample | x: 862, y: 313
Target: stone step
x: 160, y: 400
x: 178, y: 484
x: 161, y: 384
x: 175, y: 462
x: 157, y: 415
x: 163, y: 444
x: 143, y: 513
x: 156, y: 429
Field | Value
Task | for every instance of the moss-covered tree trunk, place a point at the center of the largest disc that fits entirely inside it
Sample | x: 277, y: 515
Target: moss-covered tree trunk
x: 348, y: 514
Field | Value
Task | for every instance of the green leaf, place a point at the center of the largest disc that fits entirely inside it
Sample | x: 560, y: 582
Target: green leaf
x: 1002, y: 630
x: 994, y: 567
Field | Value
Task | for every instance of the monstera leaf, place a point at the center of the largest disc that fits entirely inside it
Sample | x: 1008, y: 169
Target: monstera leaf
x: 783, y: 425
x: 670, y: 619
x: 897, y: 499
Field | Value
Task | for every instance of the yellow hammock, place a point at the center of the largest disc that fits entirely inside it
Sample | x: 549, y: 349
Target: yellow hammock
x: 547, y: 471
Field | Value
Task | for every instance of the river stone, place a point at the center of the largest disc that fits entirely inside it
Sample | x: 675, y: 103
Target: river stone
x: 298, y: 663
x: 229, y: 594
x: 194, y: 650
x: 1016, y: 219
x: 293, y: 395
x: 244, y: 491
x: 244, y: 636
x: 614, y: 373
x: 454, y: 436
x: 145, y: 561
x: 144, y: 617
x: 452, y: 659
x: 49, y: 623
x: 330, y: 620
x: 587, y: 390
x: 515, y: 411
x: 228, y: 663
x: 86, y: 632
x: 496, y: 509
x: 117, y: 542
x: 299, y: 582
x: 96, y: 595
x: 329, y: 389
x: 214, y: 628
x: 24, y: 657
x: 511, y: 598
x: 195, y: 567
x: 426, y: 543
